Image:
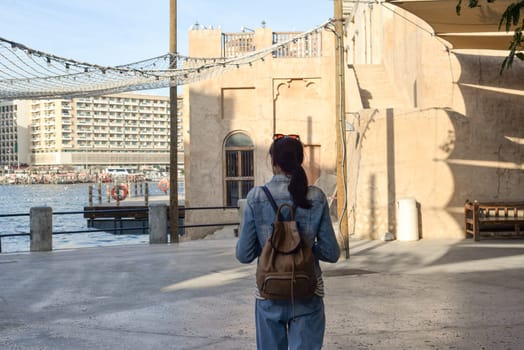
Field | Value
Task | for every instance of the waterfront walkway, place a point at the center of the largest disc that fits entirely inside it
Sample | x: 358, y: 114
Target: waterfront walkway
x: 194, y: 295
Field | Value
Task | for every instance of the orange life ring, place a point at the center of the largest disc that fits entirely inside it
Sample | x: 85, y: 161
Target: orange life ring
x: 119, y: 192
x: 163, y: 185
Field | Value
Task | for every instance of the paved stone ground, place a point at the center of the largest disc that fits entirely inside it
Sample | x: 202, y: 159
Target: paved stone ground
x: 194, y: 295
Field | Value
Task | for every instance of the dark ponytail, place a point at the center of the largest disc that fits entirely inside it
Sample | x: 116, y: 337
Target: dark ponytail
x: 288, y: 154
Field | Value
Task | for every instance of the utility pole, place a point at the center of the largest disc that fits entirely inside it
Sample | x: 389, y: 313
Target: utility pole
x: 340, y: 96
x: 173, y: 115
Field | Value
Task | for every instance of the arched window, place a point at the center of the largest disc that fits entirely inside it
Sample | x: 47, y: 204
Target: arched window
x: 239, y: 174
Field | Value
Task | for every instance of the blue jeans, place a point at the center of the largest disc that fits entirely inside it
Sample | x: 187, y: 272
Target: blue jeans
x: 278, y: 330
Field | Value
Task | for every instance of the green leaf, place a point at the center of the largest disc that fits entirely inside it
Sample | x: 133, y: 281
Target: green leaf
x: 458, y: 7
x: 473, y: 3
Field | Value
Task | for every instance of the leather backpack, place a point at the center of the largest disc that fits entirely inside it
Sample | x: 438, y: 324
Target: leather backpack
x: 286, y: 265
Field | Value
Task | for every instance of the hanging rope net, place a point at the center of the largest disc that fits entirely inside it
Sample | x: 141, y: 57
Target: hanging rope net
x: 26, y: 73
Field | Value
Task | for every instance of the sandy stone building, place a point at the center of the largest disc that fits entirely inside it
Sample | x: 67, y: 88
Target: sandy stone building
x: 231, y: 118
x: 426, y: 122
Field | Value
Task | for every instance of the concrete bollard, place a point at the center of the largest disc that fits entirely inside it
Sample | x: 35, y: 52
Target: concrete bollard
x: 158, y: 223
x: 41, y: 228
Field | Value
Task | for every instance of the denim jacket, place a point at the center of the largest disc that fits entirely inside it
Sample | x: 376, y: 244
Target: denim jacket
x: 314, y: 224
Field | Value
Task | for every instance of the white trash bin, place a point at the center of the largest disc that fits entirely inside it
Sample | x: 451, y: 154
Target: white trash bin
x: 407, y: 220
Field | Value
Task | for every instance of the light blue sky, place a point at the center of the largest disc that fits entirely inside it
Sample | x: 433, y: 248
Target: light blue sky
x: 115, y: 32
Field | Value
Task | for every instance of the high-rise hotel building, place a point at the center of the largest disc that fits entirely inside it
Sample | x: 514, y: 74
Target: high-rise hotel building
x: 128, y: 130
x: 14, y: 134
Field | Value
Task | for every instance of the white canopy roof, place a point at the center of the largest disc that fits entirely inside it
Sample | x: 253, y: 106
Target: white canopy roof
x: 475, y: 28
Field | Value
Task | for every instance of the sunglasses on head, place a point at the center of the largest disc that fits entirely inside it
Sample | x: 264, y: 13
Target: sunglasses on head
x: 281, y: 136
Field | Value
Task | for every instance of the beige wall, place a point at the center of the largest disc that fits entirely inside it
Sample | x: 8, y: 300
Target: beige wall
x: 288, y: 95
x: 459, y: 136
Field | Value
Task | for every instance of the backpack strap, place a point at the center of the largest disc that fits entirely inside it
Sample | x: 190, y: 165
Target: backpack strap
x: 270, y: 197
x: 275, y: 206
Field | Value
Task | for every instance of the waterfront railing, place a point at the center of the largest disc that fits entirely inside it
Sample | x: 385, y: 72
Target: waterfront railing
x: 156, y: 225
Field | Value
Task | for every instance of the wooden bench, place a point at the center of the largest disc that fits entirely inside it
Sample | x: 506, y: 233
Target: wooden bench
x: 131, y: 219
x: 119, y: 212
x: 493, y: 217
x: 111, y: 211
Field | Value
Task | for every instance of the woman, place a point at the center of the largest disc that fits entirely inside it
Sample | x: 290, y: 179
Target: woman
x: 283, y: 324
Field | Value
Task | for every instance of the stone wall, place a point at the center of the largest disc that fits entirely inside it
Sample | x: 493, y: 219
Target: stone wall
x: 460, y: 136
